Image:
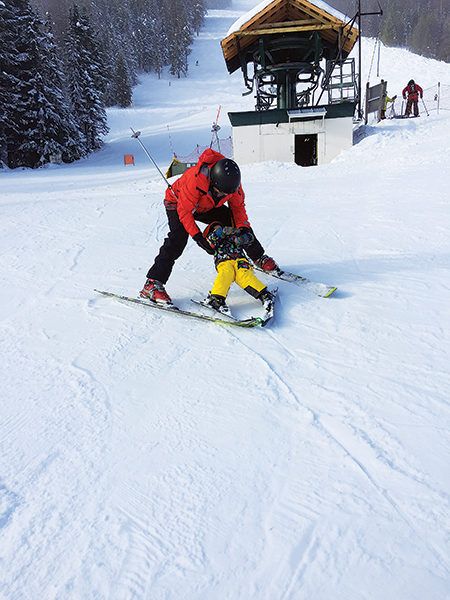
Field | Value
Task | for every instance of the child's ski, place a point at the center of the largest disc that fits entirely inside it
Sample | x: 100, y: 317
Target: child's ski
x: 320, y: 289
x: 264, y: 319
x: 253, y: 322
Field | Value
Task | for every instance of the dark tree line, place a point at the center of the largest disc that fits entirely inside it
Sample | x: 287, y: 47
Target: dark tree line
x: 422, y: 26
x: 135, y: 35
x: 62, y: 63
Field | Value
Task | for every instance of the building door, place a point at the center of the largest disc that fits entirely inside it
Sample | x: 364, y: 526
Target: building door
x: 306, y: 150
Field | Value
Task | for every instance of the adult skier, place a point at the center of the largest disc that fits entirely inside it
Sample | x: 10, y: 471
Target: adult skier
x: 232, y: 265
x: 209, y: 191
x: 411, y: 93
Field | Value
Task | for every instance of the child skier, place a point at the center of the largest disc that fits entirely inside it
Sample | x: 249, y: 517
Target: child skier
x: 228, y: 244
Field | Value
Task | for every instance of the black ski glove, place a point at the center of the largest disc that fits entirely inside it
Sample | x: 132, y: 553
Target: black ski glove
x: 200, y: 240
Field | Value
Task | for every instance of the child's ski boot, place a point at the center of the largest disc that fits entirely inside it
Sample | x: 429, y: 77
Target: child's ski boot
x: 267, y: 299
x: 217, y: 303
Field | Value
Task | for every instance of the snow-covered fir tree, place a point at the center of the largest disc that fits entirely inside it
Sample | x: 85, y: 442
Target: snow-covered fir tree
x: 196, y: 15
x: 86, y: 80
x: 7, y: 81
x: 62, y: 132
x: 122, y: 88
x: 180, y: 36
x: 159, y: 35
x: 113, y: 21
x: 37, y: 120
x: 21, y: 80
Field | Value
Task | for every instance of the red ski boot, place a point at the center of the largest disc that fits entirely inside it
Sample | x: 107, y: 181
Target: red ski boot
x: 154, y: 290
x: 266, y: 263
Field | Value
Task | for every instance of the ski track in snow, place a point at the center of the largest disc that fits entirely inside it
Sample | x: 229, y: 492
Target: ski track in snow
x: 152, y: 457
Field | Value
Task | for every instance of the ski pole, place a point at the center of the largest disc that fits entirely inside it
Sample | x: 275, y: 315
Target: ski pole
x: 215, y: 129
x: 136, y: 135
x: 425, y: 107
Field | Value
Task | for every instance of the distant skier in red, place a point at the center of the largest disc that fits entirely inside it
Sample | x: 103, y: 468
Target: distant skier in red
x: 411, y: 94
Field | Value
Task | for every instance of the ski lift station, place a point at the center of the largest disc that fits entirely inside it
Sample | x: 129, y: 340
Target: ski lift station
x: 294, y: 58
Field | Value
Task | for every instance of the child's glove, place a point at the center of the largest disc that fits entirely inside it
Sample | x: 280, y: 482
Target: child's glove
x: 244, y: 238
x: 215, y: 236
x: 230, y: 231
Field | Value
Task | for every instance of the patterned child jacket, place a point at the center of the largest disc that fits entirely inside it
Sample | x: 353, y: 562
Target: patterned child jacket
x: 228, y: 244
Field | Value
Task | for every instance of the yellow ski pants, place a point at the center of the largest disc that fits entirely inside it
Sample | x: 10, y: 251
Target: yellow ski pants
x: 239, y: 271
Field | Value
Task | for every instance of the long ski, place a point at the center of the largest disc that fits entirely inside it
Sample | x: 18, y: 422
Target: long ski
x: 247, y: 323
x: 320, y: 289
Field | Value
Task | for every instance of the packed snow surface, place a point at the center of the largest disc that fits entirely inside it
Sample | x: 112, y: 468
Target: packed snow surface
x: 147, y: 456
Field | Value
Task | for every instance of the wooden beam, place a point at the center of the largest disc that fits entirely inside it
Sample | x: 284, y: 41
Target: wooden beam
x: 317, y: 27
x: 290, y: 23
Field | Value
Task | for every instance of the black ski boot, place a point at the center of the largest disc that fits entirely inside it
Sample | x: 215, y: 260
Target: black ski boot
x: 267, y: 299
x: 217, y: 303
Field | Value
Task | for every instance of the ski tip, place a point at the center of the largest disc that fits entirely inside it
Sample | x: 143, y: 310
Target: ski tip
x: 328, y: 294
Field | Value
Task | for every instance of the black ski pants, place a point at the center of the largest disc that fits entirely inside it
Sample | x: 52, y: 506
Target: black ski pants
x: 177, y: 238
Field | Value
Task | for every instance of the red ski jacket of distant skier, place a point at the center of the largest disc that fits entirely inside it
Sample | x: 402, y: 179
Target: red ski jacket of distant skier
x: 191, y: 194
x: 413, y: 91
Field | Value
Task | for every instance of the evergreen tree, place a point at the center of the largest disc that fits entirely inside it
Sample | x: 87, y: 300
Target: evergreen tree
x: 113, y: 20
x: 159, y: 36
x: 62, y: 134
x: 122, y: 87
x: 394, y: 28
x: 180, y: 37
x: 7, y: 80
x: 424, y: 38
x: 86, y: 80
x: 22, y: 84
x: 143, y: 32
x: 37, y: 119
x: 197, y: 15
x: 443, y: 51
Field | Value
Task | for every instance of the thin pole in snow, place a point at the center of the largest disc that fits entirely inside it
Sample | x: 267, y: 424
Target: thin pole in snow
x: 136, y: 135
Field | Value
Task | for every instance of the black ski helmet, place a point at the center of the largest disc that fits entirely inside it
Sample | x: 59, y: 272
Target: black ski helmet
x: 226, y: 176
x: 411, y: 82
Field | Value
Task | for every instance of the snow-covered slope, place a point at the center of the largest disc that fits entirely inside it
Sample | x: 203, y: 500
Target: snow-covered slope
x: 145, y: 456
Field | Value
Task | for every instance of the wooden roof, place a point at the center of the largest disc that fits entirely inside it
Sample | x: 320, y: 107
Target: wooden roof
x: 288, y: 17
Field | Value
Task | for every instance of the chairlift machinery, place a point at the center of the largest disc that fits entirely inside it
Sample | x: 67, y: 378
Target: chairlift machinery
x: 282, y: 49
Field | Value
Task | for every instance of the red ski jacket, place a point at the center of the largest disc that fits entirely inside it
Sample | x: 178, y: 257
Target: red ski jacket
x: 190, y: 194
x: 413, y: 91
